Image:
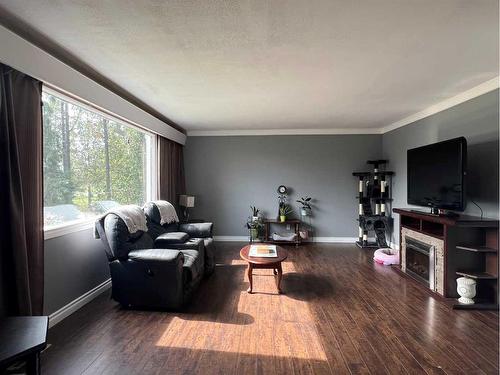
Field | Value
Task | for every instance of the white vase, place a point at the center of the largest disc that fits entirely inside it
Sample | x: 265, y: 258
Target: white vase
x: 304, y: 234
x: 466, y: 288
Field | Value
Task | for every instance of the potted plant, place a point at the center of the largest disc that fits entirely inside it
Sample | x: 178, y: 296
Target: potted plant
x: 255, y: 213
x: 305, y: 210
x: 285, y: 210
x: 254, y: 226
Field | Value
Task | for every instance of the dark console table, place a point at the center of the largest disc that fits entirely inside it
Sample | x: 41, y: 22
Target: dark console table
x: 22, y: 339
x: 468, y: 247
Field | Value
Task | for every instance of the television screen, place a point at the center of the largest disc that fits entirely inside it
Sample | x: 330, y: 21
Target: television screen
x: 436, y: 175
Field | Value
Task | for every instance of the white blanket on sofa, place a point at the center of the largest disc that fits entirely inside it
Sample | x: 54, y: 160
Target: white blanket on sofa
x: 167, y: 212
x: 132, y: 215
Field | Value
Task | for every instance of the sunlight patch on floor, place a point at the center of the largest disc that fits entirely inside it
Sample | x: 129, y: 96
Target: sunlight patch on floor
x: 266, y: 323
x: 238, y: 262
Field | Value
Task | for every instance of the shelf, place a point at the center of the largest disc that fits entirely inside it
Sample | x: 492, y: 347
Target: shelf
x: 477, y: 249
x: 476, y: 306
x: 477, y: 275
x: 375, y: 198
x: 459, y: 221
x: 282, y: 242
x: 276, y: 221
x: 367, y: 174
x: 436, y: 234
x: 380, y: 161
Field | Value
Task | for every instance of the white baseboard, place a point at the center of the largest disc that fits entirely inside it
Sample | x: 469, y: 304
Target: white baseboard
x: 314, y: 239
x: 76, y: 304
x: 335, y: 239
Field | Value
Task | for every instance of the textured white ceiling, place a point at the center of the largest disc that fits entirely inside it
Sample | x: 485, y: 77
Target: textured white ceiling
x: 215, y: 64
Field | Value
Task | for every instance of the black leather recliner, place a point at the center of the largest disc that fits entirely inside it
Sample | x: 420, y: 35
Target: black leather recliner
x: 144, y: 275
x: 181, y: 236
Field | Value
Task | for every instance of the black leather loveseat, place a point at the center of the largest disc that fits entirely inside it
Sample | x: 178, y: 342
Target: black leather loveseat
x: 155, y: 275
x: 181, y: 235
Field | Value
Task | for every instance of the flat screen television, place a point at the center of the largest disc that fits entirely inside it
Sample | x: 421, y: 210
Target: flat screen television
x: 436, y: 175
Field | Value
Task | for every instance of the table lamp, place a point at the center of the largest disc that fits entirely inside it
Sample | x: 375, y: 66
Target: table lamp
x: 186, y: 201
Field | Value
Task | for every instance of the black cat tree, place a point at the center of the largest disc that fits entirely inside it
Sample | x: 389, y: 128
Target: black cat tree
x: 374, y: 198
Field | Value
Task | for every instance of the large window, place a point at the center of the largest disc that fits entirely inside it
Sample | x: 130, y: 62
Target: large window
x: 91, y: 162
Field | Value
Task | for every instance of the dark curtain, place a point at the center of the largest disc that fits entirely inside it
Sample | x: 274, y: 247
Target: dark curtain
x: 171, y: 179
x: 21, y: 195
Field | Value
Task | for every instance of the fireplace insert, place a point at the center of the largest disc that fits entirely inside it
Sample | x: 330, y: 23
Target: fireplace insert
x: 420, y: 261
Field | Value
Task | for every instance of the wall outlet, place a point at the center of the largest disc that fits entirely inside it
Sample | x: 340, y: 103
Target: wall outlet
x: 288, y: 227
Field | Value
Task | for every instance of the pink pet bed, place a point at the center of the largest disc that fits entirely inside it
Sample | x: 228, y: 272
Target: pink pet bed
x: 386, y: 256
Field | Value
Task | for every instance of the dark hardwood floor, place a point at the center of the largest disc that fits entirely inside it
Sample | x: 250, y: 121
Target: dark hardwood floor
x: 340, y: 314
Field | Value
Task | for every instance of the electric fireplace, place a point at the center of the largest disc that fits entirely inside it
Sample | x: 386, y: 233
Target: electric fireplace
x: 420, y: 261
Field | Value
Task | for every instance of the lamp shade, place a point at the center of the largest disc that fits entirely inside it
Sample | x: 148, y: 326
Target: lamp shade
x: 186, y: 200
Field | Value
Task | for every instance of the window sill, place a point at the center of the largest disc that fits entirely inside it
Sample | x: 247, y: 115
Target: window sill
x: 67, y: 228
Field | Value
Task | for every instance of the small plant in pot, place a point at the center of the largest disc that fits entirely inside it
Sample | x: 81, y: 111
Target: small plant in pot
x: 305, y: 209
x: 255, y: 213
x: 285, y: 210
x: 255, y: 227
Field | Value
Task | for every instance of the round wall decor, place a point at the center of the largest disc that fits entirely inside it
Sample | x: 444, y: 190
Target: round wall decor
x: 282, y: 189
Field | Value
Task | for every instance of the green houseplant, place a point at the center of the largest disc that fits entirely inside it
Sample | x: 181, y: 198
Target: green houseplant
x: 285, y: 210
x: 255, y: 212
x: 255, y: 227
x: 305, y: 209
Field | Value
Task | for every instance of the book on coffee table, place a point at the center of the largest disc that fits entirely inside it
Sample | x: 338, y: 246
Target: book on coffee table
x: 263, y: 251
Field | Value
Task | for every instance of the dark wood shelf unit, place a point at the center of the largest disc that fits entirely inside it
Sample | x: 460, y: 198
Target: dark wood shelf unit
x: 432, y: 234
x: 410, y: 222
x: 478, y: 305
x: 478, y: 275
x: 477, y: 249
x: 470, y: 250
x: 458, y: 220
x: 419, y: 224
x: 432, y: 228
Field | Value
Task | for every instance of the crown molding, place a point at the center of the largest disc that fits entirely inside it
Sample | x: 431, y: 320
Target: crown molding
x: 472, y: 93
x: 250, y: 132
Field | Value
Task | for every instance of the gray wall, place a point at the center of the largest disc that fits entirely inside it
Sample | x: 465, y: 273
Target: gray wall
x: 476, y: 120
x: 74, y: 264
x: 228, y: 174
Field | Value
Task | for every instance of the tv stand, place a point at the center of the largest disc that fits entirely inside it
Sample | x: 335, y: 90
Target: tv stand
x: 464, y: 246
x: 437, y: 213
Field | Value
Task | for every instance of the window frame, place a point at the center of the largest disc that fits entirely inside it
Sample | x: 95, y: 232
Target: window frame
x: 74, y: 226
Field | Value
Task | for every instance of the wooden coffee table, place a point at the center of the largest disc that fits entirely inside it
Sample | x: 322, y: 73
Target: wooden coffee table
x: 266, y: 263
